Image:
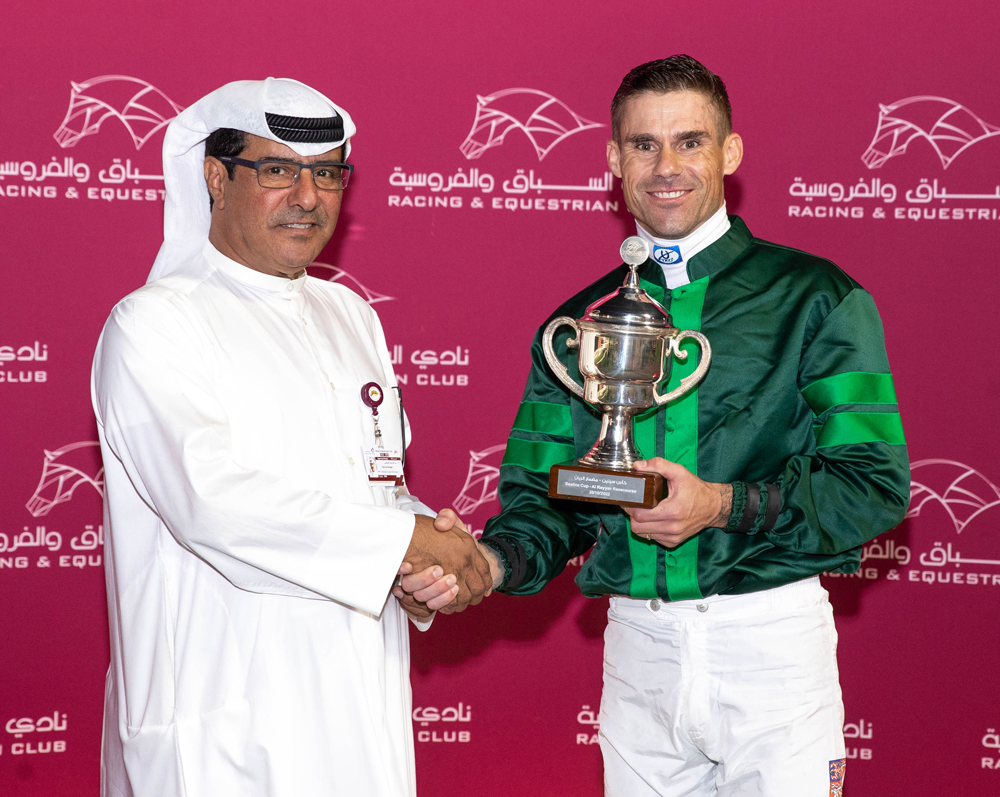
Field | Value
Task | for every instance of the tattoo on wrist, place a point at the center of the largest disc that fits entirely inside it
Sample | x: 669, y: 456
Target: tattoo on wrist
x: 725, y: 512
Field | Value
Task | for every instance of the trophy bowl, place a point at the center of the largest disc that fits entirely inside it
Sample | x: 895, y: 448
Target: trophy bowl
x: 626, y: 341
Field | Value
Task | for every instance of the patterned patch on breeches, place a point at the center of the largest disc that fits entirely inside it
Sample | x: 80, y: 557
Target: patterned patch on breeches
x: 837, y: 769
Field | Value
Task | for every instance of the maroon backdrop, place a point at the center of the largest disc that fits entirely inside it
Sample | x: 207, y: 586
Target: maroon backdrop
x: 871, y: 138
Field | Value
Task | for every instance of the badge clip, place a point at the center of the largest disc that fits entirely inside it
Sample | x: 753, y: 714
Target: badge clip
x: 383, y: 465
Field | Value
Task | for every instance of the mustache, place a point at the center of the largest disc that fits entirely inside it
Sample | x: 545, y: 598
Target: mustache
x: 317, y: 217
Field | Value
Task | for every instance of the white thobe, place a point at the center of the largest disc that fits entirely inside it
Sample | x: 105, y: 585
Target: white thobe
x: 248, y: 558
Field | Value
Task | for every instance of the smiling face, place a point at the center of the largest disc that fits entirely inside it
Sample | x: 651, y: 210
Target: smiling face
x: 277, y: 231
x: 671, y: 160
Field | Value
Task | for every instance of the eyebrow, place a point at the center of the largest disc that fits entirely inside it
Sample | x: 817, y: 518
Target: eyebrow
x: 686, y: 135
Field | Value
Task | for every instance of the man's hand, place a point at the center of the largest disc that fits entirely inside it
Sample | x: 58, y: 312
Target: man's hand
x: 447, y: 519
x: 421, y: 594
x: 445, y: 542
x: 690, y: 506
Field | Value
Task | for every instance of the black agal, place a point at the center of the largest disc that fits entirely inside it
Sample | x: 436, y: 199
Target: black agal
x: 302, y: 129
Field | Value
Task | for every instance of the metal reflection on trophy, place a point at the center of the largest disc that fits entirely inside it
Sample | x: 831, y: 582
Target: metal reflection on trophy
x: 626, y: 343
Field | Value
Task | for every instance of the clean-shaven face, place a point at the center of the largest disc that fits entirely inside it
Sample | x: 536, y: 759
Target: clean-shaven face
x: 278, y: 231
x: 671, y: 160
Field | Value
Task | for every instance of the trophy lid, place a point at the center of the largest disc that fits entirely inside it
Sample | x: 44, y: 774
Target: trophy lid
x: 630, y: 304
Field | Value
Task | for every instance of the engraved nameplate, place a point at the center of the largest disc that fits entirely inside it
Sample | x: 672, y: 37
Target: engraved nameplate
x: 606, y: 486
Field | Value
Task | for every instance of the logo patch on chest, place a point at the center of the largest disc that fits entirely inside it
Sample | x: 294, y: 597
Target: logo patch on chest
x: 667, y: 255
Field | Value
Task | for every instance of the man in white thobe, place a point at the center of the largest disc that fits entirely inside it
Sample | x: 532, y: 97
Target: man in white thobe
x: 249, y: 557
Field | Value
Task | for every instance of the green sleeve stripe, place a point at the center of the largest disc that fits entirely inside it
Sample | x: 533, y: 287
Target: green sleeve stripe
x: 545, y: 417
x: 848, y: 428
x: 536, y: 455
x: 854, y: 387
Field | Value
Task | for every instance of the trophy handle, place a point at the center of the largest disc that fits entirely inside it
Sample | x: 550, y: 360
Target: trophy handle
x: 550, y: 356
x: 688, y: 382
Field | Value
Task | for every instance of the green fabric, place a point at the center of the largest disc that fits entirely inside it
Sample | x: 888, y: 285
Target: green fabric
x: 851, y: 428
x: 536, y: 455
x: 645, y: 555
x: 679, y: 568
x: 850, y: 388
x: 790, y: 333
x: 542, y: 416
x: 681, y: 442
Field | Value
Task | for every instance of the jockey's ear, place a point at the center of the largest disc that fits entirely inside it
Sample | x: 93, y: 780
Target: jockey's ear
x: 614, y: 158
x: 732, y: 149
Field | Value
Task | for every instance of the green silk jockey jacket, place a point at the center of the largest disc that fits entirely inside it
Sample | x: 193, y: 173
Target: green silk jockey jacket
x: 798, y: 396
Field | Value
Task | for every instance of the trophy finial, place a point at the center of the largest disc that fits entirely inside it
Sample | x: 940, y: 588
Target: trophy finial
x: 634, y: 251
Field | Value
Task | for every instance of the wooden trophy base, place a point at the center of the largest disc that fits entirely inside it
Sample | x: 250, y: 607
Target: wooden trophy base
x: 605, y: 485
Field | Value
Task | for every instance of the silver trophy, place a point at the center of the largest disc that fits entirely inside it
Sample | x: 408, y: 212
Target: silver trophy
x: 626, y: 342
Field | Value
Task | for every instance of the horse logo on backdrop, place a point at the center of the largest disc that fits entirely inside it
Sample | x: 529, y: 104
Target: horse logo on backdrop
x: 544, y: 119
x: 334, y: 274
x: 963, y: 492
x: 481, y: 481
x: 63, y: 470
x: 949, y: 127
x: 138, y: 105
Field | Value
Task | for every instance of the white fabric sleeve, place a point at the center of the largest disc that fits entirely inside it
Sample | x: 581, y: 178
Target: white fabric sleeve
x: 423, y: 625
x: 410, y: 503
x: 154, y: 397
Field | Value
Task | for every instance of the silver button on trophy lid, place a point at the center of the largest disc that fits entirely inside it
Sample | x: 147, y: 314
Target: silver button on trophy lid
x: 635, y: 250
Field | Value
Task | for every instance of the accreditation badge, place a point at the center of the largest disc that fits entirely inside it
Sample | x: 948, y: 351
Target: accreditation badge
x: 383, y: 465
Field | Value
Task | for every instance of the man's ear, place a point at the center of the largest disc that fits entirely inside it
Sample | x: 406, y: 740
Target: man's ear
x: 733, y: 150
x: 217, y: 177
x: 614, y: 158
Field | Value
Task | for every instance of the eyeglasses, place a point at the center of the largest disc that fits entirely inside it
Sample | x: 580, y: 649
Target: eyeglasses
x: 271, y: 173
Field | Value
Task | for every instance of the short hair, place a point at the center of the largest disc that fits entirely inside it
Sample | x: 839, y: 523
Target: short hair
x: 225, y: 143
x: 676, y: 73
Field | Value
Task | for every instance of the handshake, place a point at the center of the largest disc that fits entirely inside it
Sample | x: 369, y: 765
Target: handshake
x: 445, y: 568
